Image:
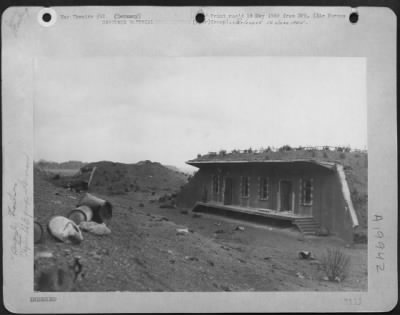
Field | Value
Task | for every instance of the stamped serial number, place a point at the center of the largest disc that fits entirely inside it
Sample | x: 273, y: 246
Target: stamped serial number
x: 43, y: 299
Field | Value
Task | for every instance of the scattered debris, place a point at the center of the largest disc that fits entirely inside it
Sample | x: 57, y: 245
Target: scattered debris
x: 225, y: 247
x: 44, y: 254
x: 64, y: 230
x: 304, y: 254
x: 219, y: 231
x: 167, y: 206
x: 226, y: 288
x: 182, y: 231
x: 77, y: 185
x: 211, y: 263
x: 196, y: 215
x: 162, y: 218
x: 141, y: 205
x: 82, y: 213
x: 184, y: 212
x: 102, y: 209
x: 267, y: 258
x: 191, y: 258
x: 300, y: 275
x: 59, y: 277
x: 72, y: 197
x: 239, y: 228
x: 95, y: 228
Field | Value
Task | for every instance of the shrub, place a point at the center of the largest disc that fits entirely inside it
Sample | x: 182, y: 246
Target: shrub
x: 361, y: 237
x: 285, y: 148
x: 335, y: 264
x: 325, y: 155
x: 342, y: 155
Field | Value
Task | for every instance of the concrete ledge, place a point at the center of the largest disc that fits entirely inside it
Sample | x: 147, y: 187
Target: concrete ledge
x: 247, y: 214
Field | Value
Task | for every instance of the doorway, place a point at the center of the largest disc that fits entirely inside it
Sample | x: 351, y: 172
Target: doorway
x: 285, y: 189
x: 228, y: 191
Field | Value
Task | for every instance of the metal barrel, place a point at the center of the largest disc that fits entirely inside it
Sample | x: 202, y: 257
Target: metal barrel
x: 38, y: 232
x: 102, y: 209
x: 81, y: 213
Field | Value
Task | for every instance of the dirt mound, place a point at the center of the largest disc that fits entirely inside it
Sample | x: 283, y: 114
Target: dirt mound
x: 145, y: 176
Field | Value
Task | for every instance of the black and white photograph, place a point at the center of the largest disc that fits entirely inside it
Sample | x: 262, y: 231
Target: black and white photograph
x: 182, y: 153
x: 201, y: 174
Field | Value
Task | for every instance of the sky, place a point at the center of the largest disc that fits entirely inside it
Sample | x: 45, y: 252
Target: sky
x: 169, y: 109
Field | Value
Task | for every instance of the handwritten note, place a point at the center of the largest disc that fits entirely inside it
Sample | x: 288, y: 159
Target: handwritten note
x: 18, y: 211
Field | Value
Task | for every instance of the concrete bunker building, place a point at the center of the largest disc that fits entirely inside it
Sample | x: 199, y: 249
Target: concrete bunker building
x: 311, y: 194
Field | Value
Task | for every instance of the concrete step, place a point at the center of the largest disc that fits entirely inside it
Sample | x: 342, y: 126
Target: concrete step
x: 307, y: 226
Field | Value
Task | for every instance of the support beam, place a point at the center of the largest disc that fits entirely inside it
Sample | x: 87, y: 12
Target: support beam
x: 346, y: 194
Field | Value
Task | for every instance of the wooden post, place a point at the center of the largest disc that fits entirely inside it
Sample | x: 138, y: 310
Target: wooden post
x: 91, y: 176
x: 293, y: 200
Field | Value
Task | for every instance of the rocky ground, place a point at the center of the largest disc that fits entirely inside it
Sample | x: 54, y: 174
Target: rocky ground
x: 145, y: 252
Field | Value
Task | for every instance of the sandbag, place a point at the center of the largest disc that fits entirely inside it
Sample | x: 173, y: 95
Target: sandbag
x: 64, y: 230
x: 95, y: 228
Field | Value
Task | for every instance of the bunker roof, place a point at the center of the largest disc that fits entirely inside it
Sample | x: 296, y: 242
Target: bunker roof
x: 199, y: 163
